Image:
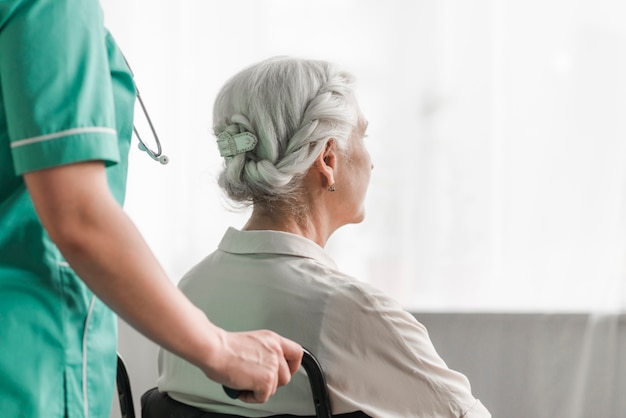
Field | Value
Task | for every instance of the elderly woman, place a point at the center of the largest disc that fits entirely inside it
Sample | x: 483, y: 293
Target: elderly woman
x: 292, y: 137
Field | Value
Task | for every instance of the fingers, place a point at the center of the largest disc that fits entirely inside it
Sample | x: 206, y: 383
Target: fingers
x: 258, y: 363
x: 292, y: 353
x: 267, y: 387
x: 287, y: 356
x: 283, y: 375
x: 253, y: 397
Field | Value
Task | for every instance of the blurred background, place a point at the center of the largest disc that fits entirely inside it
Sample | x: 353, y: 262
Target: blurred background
x: 497, y: 132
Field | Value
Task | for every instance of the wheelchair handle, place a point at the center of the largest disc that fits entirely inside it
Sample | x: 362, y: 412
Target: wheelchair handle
x: 313, y: 369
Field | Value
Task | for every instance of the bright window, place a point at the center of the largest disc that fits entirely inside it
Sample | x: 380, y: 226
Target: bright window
x: 497, y: 130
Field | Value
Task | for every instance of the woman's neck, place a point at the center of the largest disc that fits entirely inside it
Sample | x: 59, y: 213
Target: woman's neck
x: 284, y: 219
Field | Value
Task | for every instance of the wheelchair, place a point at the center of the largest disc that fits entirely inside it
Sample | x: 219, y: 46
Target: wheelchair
x: 155, y: 404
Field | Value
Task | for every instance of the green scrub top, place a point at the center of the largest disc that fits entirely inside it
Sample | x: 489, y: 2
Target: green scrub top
x: 66, y: 95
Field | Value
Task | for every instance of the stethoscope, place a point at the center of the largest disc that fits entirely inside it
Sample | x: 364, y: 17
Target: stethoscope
x: 155, y: 155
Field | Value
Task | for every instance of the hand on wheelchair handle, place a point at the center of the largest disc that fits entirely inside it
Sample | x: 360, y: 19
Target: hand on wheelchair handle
x: 236, y: 393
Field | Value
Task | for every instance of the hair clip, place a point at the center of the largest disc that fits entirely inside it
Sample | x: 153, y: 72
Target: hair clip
x: 230, y: 145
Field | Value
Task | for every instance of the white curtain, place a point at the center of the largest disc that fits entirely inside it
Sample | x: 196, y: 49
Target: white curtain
x: 497, y: 130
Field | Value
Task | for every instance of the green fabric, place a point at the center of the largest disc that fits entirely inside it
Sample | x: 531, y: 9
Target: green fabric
x: 66, y: 95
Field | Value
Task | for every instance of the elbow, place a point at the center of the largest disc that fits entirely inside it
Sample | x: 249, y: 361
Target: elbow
x: 70, y: 237
x: 78, y: 231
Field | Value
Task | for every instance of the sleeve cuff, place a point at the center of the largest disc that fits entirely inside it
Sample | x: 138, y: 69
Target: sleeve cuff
x: 71, y: 146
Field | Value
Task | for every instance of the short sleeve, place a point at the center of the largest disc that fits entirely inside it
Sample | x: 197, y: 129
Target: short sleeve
x: 56, y: 84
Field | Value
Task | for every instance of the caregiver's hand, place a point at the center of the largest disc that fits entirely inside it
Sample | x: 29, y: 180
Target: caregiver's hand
x: 255, y: 362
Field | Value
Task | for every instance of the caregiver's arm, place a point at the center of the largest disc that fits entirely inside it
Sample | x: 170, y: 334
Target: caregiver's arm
x: 106, y: 250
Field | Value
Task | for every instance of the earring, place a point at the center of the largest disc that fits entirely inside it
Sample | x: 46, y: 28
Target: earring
x: 331, y: 188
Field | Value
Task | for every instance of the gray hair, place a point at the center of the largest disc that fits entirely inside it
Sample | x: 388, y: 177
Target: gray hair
x: 293, y: 107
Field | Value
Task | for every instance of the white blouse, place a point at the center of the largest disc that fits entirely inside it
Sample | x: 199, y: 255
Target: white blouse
x: 377, y: 357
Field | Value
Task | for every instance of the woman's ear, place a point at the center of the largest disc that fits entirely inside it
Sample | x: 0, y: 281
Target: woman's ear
x: 326, y: 163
